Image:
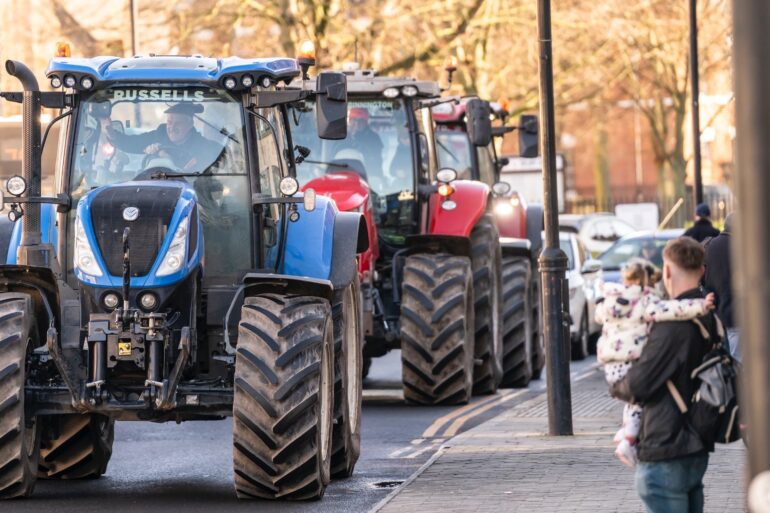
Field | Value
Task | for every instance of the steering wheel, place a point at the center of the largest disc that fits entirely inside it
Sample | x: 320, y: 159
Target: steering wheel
x: 148, y: 173
x: 174, y: 153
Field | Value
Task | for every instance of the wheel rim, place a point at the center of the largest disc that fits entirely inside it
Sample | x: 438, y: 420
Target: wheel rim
x: 351, y: 368
x: 326, y: 399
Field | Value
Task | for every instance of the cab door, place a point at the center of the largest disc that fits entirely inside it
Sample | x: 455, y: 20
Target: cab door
x: 270, y: 145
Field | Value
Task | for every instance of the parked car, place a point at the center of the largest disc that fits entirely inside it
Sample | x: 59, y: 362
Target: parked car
x: 582, y: 276
x: 596, y: 231
x: 647, y: 245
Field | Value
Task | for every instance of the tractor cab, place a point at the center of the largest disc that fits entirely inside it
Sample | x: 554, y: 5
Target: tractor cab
x: 390, y: 145
x: 467, y: 133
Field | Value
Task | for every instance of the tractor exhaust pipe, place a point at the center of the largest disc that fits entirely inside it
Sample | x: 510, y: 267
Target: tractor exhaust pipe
x: 30, y: 234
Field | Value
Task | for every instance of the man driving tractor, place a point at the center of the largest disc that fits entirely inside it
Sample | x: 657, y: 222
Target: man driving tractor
x: 176, y: 139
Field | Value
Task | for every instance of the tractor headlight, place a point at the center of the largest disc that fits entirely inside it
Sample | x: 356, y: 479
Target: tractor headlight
x: 148, y: 301
x: 175, y: 256
x: 84, y: 255
x: 230, y: 83
x: 16, y: 185
x: 390, y: 92
x: 503, y: 208
x: 110, y: 300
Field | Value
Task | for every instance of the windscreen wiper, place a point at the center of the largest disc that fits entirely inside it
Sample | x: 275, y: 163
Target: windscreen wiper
x: 335, y: 164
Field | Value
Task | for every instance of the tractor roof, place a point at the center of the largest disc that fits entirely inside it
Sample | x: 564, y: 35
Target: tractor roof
x: 363, y: 81
x: 171, y: 68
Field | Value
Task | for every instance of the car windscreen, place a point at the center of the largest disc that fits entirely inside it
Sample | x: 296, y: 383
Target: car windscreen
x: 648, y: 248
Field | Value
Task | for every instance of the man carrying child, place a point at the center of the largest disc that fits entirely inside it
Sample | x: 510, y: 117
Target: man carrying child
x: 672, y: 458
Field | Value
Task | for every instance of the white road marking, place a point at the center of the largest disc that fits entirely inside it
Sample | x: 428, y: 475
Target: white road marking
x: 434, y: 445
x: 398, y: 452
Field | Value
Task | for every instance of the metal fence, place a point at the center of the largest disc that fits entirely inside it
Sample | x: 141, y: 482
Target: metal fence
x: 719, y: 198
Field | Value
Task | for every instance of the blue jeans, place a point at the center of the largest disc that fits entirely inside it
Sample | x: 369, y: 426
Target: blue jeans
x: 672, y: 486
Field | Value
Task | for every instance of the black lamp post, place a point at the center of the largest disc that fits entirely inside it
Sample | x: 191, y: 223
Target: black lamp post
x: 695, y: 83
x: 553, y: 261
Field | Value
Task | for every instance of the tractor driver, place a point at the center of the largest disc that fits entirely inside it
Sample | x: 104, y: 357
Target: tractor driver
x: 362, y: 138
x: 176, y: 139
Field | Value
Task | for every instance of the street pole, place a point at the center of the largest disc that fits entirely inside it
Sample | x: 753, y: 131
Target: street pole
x: 132, y: 9
x: 751, y: 57
x: 695, y: 83
x: 553, y: 261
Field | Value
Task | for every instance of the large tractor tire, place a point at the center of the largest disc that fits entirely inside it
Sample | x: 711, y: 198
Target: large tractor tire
x: 437, y: 329
x: 538, y: 354
x: 348, y: 379
x: 579, y: 342
x: 19, y: 435
x: 486, y: 264
x: 75, y: 446
x: 282, y: 409
x: 518, y: 358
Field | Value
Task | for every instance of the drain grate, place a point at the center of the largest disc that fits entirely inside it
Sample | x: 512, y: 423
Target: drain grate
x: 387, y: 484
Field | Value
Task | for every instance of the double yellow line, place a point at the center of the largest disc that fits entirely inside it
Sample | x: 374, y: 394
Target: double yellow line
x: 455, y: 420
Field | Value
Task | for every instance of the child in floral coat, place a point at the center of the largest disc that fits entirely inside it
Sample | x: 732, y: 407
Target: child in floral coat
x: 626, y: 312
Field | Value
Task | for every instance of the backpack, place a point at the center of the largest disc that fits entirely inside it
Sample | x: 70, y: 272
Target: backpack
x: 713, y: 410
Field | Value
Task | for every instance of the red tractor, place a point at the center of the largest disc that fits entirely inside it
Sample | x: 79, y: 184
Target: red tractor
x: 435, y: 287
x: 463, y: 129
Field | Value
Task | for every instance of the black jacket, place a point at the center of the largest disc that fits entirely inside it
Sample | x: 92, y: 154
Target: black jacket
x: 195, y: 146
x: 673, y: 350
x: 717, y: 277
x: 701, y: 230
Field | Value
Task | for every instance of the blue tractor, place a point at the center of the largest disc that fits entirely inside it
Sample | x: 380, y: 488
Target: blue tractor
x: 178, y: 274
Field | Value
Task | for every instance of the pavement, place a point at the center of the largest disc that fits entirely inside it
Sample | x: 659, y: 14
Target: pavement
x: 509, y: 464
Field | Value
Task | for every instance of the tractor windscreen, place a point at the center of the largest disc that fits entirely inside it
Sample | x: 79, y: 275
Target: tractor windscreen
x: 377, y: 147
x: 126, y: 134
x: 454, y: 150
x: 138, y: 133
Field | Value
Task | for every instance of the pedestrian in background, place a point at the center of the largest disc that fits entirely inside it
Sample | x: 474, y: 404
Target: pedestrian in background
x: 718, y: 280
x: 672, y: 457
x: 702, y: 229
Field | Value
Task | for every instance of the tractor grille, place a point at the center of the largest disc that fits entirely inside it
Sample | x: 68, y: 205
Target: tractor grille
x: 156, y: 206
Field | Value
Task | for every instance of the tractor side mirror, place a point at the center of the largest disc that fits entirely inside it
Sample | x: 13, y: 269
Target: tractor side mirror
x: 528, y: 136
x: 501, y: 188
x: 331, y: 106
x: 478, y: 117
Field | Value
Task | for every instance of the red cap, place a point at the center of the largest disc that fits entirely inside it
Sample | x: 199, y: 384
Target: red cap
x: 358, y: 113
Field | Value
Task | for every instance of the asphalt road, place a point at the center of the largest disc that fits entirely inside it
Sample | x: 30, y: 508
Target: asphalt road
x: 187, y: 468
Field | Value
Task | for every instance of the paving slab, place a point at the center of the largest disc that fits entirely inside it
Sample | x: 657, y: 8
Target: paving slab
x: 509, y: 464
